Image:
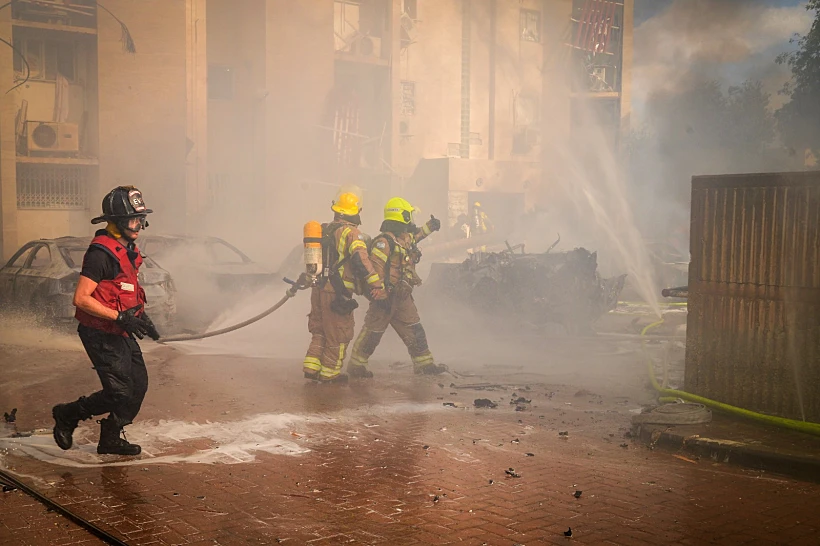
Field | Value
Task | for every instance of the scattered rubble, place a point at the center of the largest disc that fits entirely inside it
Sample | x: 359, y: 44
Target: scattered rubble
x: 578, y: 494
x: 10, y: 417
x: 568, y: 532
x: 484, y: 403
x: 512, y: 473
x: 563, y: 433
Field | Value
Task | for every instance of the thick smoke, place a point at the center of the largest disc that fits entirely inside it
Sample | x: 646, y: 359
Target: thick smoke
x: 693, y: 41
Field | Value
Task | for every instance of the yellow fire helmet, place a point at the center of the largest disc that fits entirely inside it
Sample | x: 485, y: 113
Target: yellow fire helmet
x: 399, y: 210
x: 347, y: 204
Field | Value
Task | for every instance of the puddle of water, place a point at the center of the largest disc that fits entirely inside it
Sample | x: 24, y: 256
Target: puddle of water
x: 233, y: 442
x: 169, y: 442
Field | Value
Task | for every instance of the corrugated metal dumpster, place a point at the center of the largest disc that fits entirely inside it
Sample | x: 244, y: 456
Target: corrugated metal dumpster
x: 753, y: 332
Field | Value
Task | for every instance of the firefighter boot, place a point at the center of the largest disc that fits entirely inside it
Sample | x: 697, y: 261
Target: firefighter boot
x: 111, y: 443
x: 66, y: 419
x: 359, y: 372
x: 431, y: 369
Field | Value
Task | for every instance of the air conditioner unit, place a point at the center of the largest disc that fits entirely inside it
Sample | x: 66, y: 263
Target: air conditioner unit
x: 47, y: 136
x: 367, y: 46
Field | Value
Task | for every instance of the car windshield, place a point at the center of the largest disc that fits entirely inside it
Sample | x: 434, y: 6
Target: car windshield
x: 74, y: 255
x: 223, y: 254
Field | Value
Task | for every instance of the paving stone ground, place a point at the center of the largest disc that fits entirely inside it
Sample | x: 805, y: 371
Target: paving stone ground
x: 242, y: 451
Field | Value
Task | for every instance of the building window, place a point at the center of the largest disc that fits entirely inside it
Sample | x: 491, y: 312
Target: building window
x: 408, y: 98
x: 410, y: 8
x: 46, y: 59
x: 51, y: 186
x: 530, y: 25
x: 220, y: 82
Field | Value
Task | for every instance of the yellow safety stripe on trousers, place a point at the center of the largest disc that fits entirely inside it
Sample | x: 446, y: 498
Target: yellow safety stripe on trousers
x: 350, y: 286
x: 312, y: 363
x: 333, y: 372
x: 379, y: 254
x: 423, y: 360
x: 426, y: 229
x: 374, y: 279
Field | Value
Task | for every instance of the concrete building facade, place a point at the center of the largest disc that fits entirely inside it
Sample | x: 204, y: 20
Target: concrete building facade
x: 251, y: 110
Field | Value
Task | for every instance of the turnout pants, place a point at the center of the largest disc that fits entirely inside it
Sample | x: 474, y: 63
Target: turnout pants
x: 331, y: 335
x: 403, y: 316
x: 119, y: 364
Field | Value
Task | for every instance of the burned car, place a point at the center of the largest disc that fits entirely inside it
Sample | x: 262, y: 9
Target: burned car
x: 43, y: 274
x: 549, y: 287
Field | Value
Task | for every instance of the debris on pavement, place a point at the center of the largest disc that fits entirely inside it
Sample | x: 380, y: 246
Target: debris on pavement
x: 530, y: 454
x: 624, y: 445
x: 425, y: 447
x: 492, y: 482
x: 449, y: 404
x: 563, y: 433
x: 10, y: 417
x: 512, y: 473
x: 578, y: 494
x: 484, y: 403
x: 436, y: 498
x: 519, y: 400
x: 515, y: 441
x: 687, y: 459
x: 568, y: 532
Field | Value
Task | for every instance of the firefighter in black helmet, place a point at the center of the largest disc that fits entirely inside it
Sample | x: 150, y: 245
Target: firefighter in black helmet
x: 110, y: 309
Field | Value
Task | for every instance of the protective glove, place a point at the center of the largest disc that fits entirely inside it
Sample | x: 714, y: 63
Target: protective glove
x: 131, y: 323
x: 151, y: 330
x: 434, y: 223
x: 378, y: 294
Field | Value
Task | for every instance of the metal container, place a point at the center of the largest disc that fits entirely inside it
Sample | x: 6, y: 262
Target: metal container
x: 753, y: 331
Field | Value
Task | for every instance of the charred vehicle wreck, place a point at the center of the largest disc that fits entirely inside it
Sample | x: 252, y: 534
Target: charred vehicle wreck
x: 548, y: 287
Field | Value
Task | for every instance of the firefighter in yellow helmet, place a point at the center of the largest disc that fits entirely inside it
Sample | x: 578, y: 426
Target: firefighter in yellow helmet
x: 481, y: 222
x: 394, y: 254
x: 330, y: 321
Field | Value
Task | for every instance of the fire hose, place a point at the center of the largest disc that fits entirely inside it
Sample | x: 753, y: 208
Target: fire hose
x: 672, y: 395
x: 289, y: 293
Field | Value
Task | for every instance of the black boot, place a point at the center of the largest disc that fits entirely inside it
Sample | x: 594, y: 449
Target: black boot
x: 111, y: 443
x: 354, y: 370
x: 66, y: 419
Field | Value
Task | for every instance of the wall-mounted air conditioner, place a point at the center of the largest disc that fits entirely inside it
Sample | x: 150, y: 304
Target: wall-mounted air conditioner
x: 367, y: 46
x: 48, y: 136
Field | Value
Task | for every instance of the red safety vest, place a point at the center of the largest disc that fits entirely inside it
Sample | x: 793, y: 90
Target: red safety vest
x: 120, y: 293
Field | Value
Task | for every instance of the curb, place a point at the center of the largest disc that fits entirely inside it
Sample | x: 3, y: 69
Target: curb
x: 730, y: 452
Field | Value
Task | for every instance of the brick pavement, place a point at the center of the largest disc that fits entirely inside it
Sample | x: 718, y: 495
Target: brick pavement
x: 388, y: 463
x: 410, y: 471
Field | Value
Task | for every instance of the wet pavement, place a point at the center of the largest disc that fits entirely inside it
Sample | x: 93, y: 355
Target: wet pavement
x: 240, y: 450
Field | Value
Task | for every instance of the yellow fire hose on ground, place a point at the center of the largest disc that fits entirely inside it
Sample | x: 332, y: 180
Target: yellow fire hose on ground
x: 671, y: 395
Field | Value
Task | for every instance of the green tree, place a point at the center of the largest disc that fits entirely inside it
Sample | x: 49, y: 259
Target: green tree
x: 799, y: 119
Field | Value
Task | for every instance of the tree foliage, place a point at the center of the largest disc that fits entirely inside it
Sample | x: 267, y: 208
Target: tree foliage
x: 799, y: 119
x: 705, y: 129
